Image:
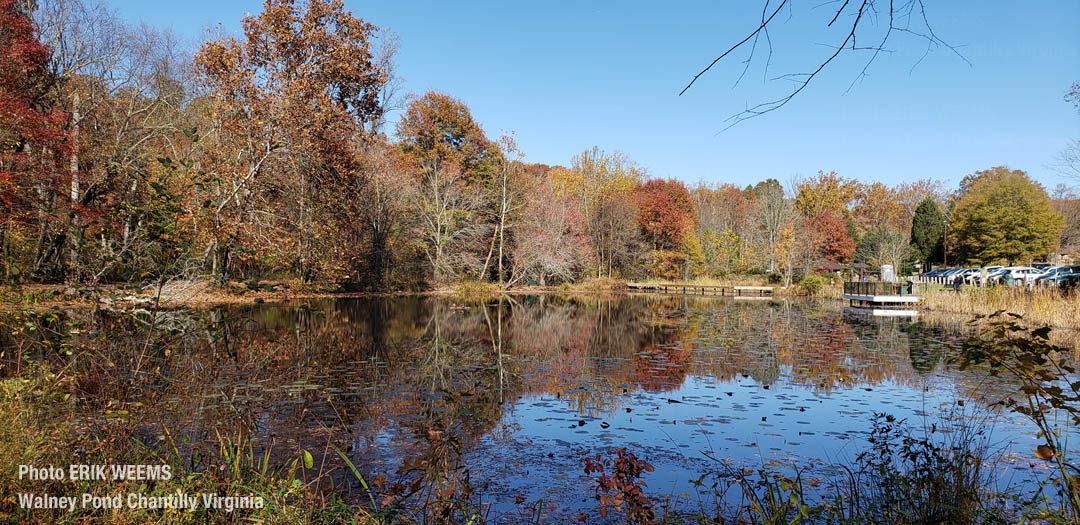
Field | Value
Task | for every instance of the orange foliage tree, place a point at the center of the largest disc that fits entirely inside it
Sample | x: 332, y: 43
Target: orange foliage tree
x: 665, y: 212
x: 666, y: 218
x: 288, y: 102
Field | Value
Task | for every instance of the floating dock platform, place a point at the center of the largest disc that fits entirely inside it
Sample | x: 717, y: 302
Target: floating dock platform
x: 882, y: 297
x: 695, y: 289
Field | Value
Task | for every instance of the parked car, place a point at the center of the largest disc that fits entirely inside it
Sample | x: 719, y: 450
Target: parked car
x: 953, y: 273
x: 977, y: 276
x: 1060, y: 275
x: 981, y: 276
x: 1019, y: 275
x: 1046, y: 272
x: 969, y: 275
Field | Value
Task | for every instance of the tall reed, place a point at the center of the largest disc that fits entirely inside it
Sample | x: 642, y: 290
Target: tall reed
x: 1040, y: 306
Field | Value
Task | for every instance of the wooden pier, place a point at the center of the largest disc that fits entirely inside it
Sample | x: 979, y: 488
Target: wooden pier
x: 880, y: 294
x: 697, y: 289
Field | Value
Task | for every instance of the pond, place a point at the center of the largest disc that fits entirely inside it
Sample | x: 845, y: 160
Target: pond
x: 508, y: 399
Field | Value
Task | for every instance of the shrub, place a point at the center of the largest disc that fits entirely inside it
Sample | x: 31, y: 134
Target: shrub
x: 475, y: 292
x: 811, y: 285
x: 667, y: 265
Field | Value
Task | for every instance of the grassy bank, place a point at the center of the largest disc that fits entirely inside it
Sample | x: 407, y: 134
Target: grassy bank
x: 1041, y: 307
x: 44, y: 428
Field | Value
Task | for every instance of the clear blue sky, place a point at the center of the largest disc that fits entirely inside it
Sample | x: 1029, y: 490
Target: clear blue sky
x: 568, y: 75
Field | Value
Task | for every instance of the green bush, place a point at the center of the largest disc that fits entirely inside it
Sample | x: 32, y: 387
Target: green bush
x: 811, y: 285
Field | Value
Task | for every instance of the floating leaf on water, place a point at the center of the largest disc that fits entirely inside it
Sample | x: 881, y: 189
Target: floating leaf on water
x: 1044, y: 452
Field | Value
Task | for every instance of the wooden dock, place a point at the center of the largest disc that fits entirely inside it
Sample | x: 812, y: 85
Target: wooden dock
x: 880, y: 295
x: 697, y: 289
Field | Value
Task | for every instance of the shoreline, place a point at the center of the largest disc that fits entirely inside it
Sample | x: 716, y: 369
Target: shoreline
x: 1041, y: 307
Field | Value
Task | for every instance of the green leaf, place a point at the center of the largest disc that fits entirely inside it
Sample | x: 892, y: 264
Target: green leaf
x: 308, y: 460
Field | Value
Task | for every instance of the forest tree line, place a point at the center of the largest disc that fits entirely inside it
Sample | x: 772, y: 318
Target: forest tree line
x: 127, y: 157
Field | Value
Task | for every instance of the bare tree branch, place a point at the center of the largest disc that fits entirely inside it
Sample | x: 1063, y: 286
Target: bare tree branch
x: 900, y: 20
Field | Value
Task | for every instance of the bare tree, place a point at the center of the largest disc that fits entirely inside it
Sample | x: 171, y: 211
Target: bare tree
x: 1067, y: 161
x: 1067, y: 203
x: 859, y: 21
x: 508, y: 194
x: 390, y: 98
x: 551, y: 240
x: 774, y: 210
x: 446, y: 210
x: 603, y: 183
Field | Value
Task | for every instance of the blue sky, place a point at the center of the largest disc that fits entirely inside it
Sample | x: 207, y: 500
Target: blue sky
x: 569, y: 75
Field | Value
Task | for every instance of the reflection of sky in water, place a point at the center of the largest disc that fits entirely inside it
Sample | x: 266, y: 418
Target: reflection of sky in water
x: 685, y: 431
x: 681, y: 383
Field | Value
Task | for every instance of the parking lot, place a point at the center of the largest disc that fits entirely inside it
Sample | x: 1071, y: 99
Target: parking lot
x: 1035, y: 276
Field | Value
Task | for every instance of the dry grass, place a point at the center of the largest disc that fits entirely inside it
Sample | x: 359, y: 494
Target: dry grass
x: 1042, y: 306
x: 475, y: 292
x: 734, y: 280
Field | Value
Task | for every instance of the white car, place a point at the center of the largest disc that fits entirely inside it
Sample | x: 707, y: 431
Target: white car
x: 971, y: 275
x: 1020, y: 274
x: 978, y: 276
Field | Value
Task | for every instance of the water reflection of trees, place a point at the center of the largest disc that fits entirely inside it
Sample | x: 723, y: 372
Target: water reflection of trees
x: 410, y: 385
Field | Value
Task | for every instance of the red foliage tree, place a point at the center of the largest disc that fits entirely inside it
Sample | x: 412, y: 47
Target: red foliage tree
x: 33, y: 141
x: 665, y: 212
x: 831, y: 236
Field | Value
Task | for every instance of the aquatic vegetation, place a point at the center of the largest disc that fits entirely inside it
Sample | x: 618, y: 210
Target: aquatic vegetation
x: 475, y: 292
x: 1043, y: 306
x: 1049, y: 386
x: 619, y: 485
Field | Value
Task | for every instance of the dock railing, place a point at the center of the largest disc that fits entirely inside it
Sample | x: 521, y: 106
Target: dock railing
x: 877, y: 288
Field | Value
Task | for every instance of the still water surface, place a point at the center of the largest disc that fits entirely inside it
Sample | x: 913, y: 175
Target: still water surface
x: 512, y: 396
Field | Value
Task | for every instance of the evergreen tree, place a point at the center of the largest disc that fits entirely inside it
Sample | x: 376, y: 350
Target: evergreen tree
x: 928, y: 232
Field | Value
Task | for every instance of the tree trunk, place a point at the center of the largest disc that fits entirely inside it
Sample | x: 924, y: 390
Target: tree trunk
x: 73, y: 247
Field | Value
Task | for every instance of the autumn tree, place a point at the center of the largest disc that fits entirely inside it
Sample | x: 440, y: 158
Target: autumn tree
x: 666, y: 217
x: 552, y: 242
x: 665, y: 212
x: 90, y: 64
x: 289, y: 100
x: 825, y: 192
x: 439, y: 132
x: 385, y: 204
x: 786, y: 251
x: 722, y: 252
x: 603, y: 185
x: 928, y: 233
x: 723, y: 207
x: 1003, y: 216
x: 830, y: 235
x: 441, y: 126
x: 875, y: 204
x: 33, y: 141
x: 773, y: 210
